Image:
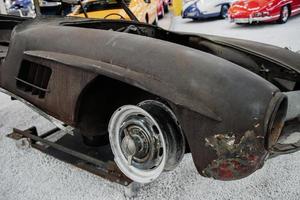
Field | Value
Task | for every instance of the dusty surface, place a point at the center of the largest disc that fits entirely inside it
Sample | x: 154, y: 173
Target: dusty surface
x: 31, y: 175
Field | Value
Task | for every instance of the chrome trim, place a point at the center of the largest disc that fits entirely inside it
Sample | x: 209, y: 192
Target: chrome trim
x: 253, y: 19
x: 296, y: 10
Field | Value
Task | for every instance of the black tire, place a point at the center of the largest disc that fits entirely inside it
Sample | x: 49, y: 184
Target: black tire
x: 166, y: 8
x: 284, y: 14
x: 155, y: 22
x: 162, y: 14
x: 223, y: 12
x: 147, y: 19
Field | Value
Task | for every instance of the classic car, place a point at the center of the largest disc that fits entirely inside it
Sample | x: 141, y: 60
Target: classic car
x: 252, y: 11
x: 201, y: 9
x: 21, y: 8
x: 144, y: 10
x: 162, y: 7
x: 226, y: 101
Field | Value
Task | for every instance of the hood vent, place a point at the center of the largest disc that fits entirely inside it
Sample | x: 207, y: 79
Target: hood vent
x: 33, y: 78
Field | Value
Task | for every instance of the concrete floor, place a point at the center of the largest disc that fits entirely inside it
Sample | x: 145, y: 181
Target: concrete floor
x: 31, y: 175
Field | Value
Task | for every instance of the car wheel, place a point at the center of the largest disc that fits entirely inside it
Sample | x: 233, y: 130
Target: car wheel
x: 162, y: 13
x: 166, y: 7
x: 147, y: 19
x: 284, y: 15
x: 145, y: 140
x: 224, y: 11
x: 155, y: 23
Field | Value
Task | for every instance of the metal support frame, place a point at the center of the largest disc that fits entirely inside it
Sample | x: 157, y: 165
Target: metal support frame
x: 79, y: 157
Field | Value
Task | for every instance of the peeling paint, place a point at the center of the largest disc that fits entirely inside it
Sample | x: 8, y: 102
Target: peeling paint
x: 235, y: 159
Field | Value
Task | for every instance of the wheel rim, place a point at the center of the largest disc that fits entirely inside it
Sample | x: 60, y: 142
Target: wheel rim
x: 171, y: 129
x: 285, y: 13
x: 224, y: 11
x: 137, y: 143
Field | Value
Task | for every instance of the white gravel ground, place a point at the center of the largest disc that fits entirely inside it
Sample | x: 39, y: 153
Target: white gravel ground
x: 31, y: 175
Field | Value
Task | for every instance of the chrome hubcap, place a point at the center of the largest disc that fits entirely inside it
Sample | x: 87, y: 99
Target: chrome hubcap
x: 285, y: 13
x: 140, y: 145
x: 145, y: 140
x: 137, y: 143
x: 224, y: 11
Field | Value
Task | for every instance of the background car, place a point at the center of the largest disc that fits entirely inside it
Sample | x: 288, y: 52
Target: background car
x: 162, y: 8
x: 201, y: 9
x: 21, y: 8
x: 144, y: 10
x: 249, y: 11
x: 166, y: 4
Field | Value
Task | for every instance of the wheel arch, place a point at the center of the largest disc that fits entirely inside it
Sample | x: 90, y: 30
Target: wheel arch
x: 147, y: 18
x: 290, y: 8
x: 102, y: 96
x: 224, y: 4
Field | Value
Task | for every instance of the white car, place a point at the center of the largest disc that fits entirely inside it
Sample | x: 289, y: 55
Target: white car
x: 201, y: 9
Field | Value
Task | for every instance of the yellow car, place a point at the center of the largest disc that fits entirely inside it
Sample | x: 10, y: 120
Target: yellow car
x: 144, y: 10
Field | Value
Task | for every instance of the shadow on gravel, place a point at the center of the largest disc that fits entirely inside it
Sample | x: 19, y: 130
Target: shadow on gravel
x: 264, y: 24
x: 205, y: 20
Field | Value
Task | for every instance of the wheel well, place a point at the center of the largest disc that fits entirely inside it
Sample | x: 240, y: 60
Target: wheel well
x: 225, y: 4
x: 289, y: 7
x: 98, y: 101
x: 147, y: 18
x: 290, y: 10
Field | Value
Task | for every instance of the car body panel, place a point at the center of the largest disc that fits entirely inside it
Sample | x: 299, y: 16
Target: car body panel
x: 198, y: 9
x: 208, y: 93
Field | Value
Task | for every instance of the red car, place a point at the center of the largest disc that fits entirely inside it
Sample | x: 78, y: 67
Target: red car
x: 250, y: 11
x: 162, y: 7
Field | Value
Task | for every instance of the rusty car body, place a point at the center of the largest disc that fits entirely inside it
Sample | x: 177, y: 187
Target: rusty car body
x: 228, y: 97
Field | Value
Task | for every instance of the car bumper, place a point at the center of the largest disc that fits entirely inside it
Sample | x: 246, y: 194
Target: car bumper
x: 251, y: 20
x: 197, y: 14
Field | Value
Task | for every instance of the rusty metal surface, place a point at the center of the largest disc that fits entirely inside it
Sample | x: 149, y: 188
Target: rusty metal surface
x: 213, y: 98
x: 235, y: 158
x: 72, y: 151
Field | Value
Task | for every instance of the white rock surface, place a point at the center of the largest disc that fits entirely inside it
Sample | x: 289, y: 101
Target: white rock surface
x: 31, y: 175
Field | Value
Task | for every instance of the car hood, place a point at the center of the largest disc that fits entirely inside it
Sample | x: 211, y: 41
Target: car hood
x: 249, y: 5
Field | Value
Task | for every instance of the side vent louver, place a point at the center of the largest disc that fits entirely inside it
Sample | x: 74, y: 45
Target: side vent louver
x: 33, y: 78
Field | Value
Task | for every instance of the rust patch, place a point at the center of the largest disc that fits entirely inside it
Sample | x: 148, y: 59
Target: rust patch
x: 235, y: 160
